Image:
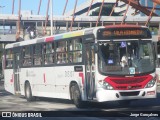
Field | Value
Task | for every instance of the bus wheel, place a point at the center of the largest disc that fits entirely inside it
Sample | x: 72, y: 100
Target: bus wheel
x: 76, y: 96
x: 28, y: 92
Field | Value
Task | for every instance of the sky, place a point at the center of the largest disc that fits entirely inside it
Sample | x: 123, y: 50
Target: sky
x: 58, y: 6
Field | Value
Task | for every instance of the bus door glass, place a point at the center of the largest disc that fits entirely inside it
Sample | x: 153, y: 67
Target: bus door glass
x: 16, y: 70
x: 158, y: 60
x: 90, y: 69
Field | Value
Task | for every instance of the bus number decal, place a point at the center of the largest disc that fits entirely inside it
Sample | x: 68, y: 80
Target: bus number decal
x: 69, y: 73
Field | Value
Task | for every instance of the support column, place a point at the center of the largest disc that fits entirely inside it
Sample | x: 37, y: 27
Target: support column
x: 90, y: 24
x: 78, y: 25
x: 67, y: 26
x: 54, y: 27
x: 159, y: 32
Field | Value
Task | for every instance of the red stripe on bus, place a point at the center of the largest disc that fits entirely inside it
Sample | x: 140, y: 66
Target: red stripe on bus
x: 82, y: 76
x: 49, y: 39
x: 44, y: 77
x: 11, y: 79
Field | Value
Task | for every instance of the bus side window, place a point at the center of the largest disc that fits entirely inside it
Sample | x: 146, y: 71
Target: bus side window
x: 27, y: 56
x: 75, y: 50
x: 9, y: 58
x: 62, y: 52
x: 37, y: 54
x: 48, y: 51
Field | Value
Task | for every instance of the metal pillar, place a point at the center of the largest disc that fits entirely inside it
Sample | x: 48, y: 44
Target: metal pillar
x: 73, y: 15
x: 65, y: 7
x: 99, y: 16
x: 51, y: 16
x: 67, y: 26
x: 39, y: 6
x: 90, y: 7
x: 13, y: 6
x: 124, y: 17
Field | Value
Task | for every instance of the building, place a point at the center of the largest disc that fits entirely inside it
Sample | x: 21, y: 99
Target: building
x: 149, y: 4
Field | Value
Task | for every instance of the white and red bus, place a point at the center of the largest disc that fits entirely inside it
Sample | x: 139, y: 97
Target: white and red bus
x: 108, y: 63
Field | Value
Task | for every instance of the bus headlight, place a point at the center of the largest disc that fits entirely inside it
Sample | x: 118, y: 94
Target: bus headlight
x: 105, y: 85
x: 151, y: 83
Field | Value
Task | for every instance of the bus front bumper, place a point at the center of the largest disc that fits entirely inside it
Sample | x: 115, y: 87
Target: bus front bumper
x: 103, y: 95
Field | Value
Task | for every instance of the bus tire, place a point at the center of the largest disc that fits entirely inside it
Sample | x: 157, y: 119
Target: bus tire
x: 28, y: 92
x: 76, y: 96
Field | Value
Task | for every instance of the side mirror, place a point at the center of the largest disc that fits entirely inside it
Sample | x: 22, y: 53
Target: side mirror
x: 95, y: 47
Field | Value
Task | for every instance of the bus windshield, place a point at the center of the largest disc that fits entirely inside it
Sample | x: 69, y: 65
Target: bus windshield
x: 126, y: 57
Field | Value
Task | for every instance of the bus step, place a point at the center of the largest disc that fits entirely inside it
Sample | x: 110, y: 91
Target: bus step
x: 17, y: 93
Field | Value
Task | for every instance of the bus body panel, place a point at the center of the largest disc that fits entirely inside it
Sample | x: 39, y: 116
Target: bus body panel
x: 110, y: 95
x: 9, y: 81
x: 103, y: 95
x: 50, y: 81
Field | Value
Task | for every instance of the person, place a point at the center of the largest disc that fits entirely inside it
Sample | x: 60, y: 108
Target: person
x: 59, y: 59
x: 32, y: 34
x: 124, y: 61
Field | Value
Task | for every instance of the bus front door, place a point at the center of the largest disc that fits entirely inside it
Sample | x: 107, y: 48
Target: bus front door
x: 90, y: 72
x: 16, y: 70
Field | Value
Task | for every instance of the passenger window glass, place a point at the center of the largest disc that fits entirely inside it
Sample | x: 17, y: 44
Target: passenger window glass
x: 75, y: 50
x: 37, y: 55
x: 48, y: 53
x: 62, y: 52
x: 27, y: 56
x: 9, y: 58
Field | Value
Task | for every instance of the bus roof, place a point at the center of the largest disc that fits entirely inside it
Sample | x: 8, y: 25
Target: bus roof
x: 77, y: 33
x: 52, y: 38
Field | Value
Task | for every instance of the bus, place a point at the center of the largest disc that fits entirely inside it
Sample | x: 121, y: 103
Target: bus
x: 106, y: 63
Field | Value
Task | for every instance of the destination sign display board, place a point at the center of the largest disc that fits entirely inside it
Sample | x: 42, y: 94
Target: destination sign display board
x: 123, y: 33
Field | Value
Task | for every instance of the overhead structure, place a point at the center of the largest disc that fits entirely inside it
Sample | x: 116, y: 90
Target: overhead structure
x: 65, y: 7
x: 124, y: 16
x: 90, y: 7
x: 99, y: 16
x: 70, y: 22
x: 87, y: 6
x: 155, y: 3
x: 73, y: 15
x: 135, y: 4
x: 19, y: 20
x: 39, y: 6
x: 46, y: 17
x: 113, y: 7
x: 13, y: 6
x: 92, y: 4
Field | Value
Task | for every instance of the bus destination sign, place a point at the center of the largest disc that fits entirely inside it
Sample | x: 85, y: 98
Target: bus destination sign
x: 123, y: 33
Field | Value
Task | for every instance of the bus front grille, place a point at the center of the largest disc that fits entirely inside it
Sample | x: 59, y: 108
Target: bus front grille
x: 135, y: 93
x: 128, y: 81
x: 131, y: 87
